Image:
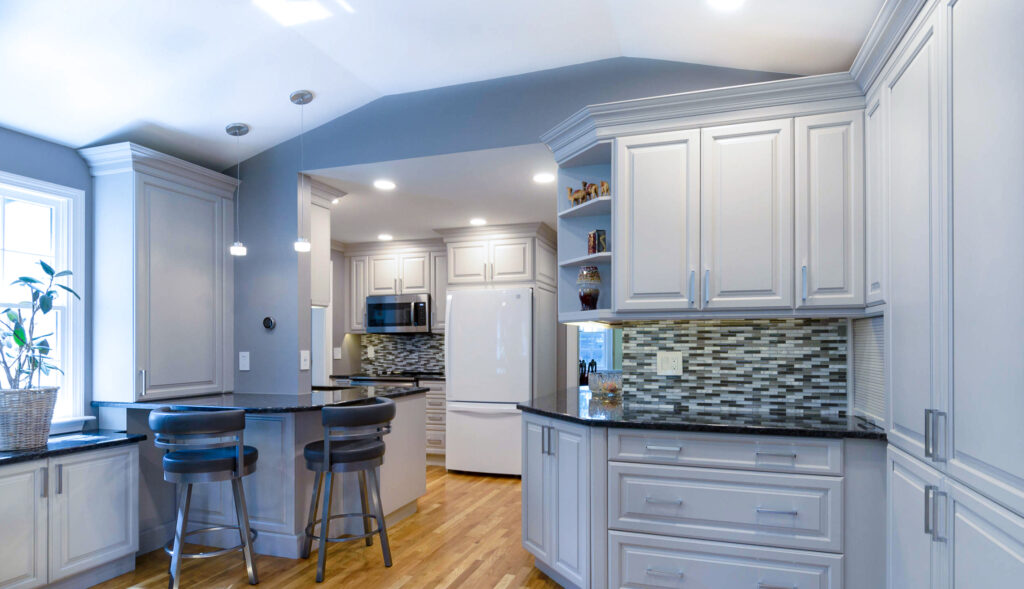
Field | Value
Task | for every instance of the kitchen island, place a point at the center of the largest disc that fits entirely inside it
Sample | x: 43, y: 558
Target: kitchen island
x: 278, y: 493
x: 650, y: 495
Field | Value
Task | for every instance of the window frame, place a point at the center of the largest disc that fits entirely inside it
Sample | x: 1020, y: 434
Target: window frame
x: 72, y: 203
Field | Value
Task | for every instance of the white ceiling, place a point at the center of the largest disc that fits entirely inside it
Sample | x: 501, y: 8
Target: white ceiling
x: 442, y: 191
x: 172, y: 73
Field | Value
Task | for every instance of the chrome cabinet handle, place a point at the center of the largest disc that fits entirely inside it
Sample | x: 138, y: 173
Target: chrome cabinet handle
x: 145, y: 385
x: 770, y: 511
x: 654, y: 448
x: 60, y: 479
x: 707, y: 286
x: 935, y: 510
x: 544, y: 439
x: 938, y: 447
x: 929, y: 422
x: 761, y: 585
x: 552, y: 440
x: 45, y: 472
x: 803, y: 288
x: 656, y: 572
x: 776, y: 454
x: 492, y: 270
x: 435, y: 417
x: 929, y: 492
x: 693, y: 276
x: 657, y: 501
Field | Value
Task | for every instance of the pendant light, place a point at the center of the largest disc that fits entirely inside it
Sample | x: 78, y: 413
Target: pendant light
x: 237, y: 130
x: 302, y: 98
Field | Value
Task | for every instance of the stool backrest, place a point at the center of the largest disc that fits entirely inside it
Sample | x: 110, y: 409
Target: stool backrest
x: 370, y: 420
x: 183, y: 429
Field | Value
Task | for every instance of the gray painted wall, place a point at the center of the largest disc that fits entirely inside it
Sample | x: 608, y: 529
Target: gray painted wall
x: 35, y: 158
x: 502, y: 112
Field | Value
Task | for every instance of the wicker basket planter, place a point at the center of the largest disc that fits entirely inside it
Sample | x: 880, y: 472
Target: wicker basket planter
x: 25, y: 416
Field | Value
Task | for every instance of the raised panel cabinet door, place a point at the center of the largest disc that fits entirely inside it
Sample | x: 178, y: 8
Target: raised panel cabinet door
x: 357, y: 294
x: 320, y: 255
x: 415, y: 273
x: 23, y: 514
x: 180, y: 289
x: 987, y: 393
x: 829, y: 197
x: 536, y: 489
x: 747, y: 215
x: 569, y: 449
x: 876, y: 202
x: 986, y: 542
x: 439, y: 290
x: 94, y: 509
x: 382, y: 275
x: 657, y: 236
x: 511, y: 260
x: 467, y: 262
x: 912, y: 94
x: 914, y: 556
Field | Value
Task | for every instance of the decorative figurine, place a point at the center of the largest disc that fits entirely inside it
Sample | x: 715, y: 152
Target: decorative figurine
x: 591, y: 190
x: 597, y: 241
x: 606, y: 190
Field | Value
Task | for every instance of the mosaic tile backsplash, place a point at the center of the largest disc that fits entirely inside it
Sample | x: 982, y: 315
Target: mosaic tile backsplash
x: 791, y: 366
x: 419, y: 351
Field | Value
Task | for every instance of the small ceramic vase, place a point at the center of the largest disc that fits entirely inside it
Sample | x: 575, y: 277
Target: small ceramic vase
x: 589, y: 284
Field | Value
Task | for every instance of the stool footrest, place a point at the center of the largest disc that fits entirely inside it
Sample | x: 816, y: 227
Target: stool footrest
x: 169, y: 547
x: 312, y: 526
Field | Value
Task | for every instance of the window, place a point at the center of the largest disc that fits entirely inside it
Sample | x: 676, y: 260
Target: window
x: 42, y: 221
x: 602, y: 344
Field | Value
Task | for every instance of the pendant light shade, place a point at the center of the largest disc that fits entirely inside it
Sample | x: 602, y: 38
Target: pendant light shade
x: 237, y: 130
x: 302, y: 245
x: 301, y: 98
x: 238, y: 249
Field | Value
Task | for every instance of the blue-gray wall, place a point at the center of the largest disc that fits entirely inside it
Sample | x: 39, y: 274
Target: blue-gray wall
x: 495, y: 113
x: 35, y: 158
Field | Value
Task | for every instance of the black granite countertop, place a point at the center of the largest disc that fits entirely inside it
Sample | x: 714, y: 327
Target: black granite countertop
x: 70, y: 444
x: 727, y: 422
x: 397, y: 375
x: 272, y: 403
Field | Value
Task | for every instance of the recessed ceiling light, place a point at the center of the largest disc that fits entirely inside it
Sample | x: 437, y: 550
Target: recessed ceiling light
x: 383, y: 184
x: 385, y: 237
x: 726, y: 5
x: 543, y: 178
x: 477, y: 221
x: 293, y: 12
x: 335, y: 201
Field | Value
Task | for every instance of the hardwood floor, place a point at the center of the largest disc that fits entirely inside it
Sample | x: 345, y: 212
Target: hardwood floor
x: 465, y: 534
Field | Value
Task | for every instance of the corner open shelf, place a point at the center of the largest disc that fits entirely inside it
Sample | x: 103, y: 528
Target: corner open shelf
x: 601, y: 205
x: 600, y: 315
x: 590, y: 260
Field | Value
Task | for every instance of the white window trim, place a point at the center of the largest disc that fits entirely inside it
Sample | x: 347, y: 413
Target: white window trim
x: 74, y: 199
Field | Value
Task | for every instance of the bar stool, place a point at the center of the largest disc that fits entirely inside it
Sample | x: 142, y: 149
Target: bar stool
x: 205, y: 447
x: 353, y: 437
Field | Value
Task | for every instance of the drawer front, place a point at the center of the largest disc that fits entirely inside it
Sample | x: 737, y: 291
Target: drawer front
x: 768, y: 453
x: 435, y: 417
x: 435, y: 440
x: 640, y: 560
x: 435, y: 386
x: 436, y: 403
x: 784, y: 510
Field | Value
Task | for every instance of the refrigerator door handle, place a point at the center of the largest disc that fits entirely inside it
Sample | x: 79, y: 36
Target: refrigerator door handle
x: 482, y: 408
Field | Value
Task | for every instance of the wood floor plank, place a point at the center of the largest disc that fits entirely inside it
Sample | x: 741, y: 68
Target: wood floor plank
x: 465, y: 533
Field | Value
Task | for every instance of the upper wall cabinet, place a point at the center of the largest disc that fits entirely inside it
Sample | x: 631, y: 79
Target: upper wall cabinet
x: 747, y: 215
x: 406, y: 273
x: 439, y: 289
x: 395, y: 268
x: 876, y: 202
x: 357, y: 294
x: 320, y: 255
x: 162, y: 289
x: 830, y: 209
x: 500, y: 255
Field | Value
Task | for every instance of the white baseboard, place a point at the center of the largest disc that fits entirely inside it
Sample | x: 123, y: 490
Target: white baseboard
x: 155, y: 538
x: 95, y: 576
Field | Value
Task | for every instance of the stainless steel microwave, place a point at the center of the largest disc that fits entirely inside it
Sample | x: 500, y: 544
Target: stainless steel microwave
x: 405, y: 313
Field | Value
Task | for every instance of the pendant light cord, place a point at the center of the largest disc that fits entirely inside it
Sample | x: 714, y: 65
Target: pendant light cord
x: 238, y: 177
x: 302, y: 162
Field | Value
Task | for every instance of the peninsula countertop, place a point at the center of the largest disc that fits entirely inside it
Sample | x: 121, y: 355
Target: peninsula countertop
x: 581, y: 410
x: 272, y: 403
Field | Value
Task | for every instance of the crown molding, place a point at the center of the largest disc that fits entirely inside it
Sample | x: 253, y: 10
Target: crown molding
x: 118, y: 158
x: 893, y: 21
x: 386, y: 247
x: 323, y: 194
x: 542, y: 231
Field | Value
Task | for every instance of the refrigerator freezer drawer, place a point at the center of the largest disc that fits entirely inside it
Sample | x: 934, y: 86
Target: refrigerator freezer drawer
x: 483, y: 437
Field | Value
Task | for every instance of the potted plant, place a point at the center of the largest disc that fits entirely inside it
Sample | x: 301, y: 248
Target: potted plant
x: 26, y: 407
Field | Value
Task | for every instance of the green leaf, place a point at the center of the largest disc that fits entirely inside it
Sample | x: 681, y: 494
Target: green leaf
x: 19, y: 335
x: 43, y: 347
x: 62, y: 273
x: 70, y: 291
x: 26, y: 280
x: 11, y: 316
x: 45, y: 303
x: 47, y: 268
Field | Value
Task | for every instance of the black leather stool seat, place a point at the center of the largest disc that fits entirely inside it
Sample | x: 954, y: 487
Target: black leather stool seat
x: 214, y: 460
x: 344, y: 451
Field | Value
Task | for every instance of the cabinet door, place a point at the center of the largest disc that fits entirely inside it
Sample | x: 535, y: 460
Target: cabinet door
x: 382, y: 275
x: 535, y: 488
x: 876, y: 203
x: 23, y: 513
x: 912, y: 95
x: 439, y: 290
x: 180, y: 289
x: 94, y: 509
x: 467, y: 262
x: 986, y: 542
x: 988, y: 243
x: 320, y: 255
x: 357, y: 294
x: 657, y: 224
x: 569, y: 450
x: 511, y: 260
x: 829, y: 199
x: 747, y: 215
x: 415, y: 273
x: 914, y: 558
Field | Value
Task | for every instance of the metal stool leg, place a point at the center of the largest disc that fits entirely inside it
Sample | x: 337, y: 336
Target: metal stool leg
x: 179, y: 537
x: 307, y: 544
x: 242, y: 513
x: 325, y: 524
x: 367, y: 525
x: 378, y: 509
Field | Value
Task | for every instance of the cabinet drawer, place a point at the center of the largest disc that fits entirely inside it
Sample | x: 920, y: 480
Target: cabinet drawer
x: 769, y: 453
x: 435, y: 440
x: 785, y: 510
x: 435, y: 403
x: 640, y: 560
x: 435, y: 417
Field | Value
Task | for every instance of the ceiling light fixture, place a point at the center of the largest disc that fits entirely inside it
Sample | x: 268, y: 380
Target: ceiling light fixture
x: 293, y: 12
x: 726, y: 5
x: 302, y: 98
x: 543, y: 178
x: 335, y: 201
x: 237, y: 130
x: 385, y: 237
x: 383, y: 184
x: 477, y: 221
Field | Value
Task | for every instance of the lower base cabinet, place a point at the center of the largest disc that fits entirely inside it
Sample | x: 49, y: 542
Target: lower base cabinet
x: 67, y: 515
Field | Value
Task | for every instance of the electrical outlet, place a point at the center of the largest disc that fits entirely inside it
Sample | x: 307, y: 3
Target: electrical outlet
x: 670, y: 363
x: 371, y: 352
x: 303, y: 359
x: 243, y: 361
x: 337, y: 353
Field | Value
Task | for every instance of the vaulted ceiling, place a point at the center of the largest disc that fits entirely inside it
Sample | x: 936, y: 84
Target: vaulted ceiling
x: 172, y: 73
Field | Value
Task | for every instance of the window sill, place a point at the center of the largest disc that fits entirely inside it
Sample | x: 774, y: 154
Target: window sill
x: 68, y: 425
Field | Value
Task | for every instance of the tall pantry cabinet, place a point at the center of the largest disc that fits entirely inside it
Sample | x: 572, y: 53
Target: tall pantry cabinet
x: 162, y: 286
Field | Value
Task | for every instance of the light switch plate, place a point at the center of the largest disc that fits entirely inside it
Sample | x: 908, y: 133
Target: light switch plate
x: 243, y: 361
x: 670, y: 363
x: 303, y: 359
x: 371, y: 352
x: 337, y: 353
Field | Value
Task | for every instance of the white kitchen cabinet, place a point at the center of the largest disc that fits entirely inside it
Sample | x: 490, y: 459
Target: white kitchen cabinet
x: 829, y: 209
x: 382, y: 275
x: 915, y: 557
x: 23, y: 513
x: 163, y: 287
x: 747, y: 215
x: 656, y: 239
x: 468, y: 262
x: 399, y: 273
x: 511, y: 260
x: 876, y: 202
x: 320, y: 255
x: 536, y: 484
x: 985, y: 541
x: 357, y: 294
x: 438, y: 290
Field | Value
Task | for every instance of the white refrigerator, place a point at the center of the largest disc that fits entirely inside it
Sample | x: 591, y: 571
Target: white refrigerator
x: 489, y: 347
